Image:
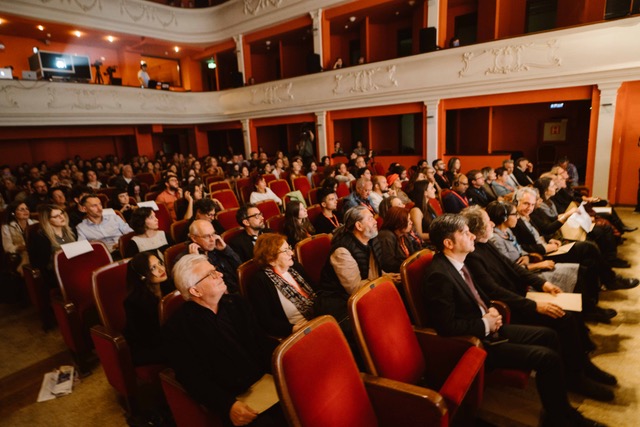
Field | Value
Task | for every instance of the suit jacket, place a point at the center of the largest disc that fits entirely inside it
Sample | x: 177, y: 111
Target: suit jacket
x: 452, y: 308
x: 477, y: 196
x: 526, y: 239
x: 523, y: 178
x: 443, y: 181
x: 243, y: 245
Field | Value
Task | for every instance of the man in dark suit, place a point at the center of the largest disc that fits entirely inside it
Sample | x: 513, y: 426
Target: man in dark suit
x: 476, y: 193
x: 457, y: 307
x: 456, y: 199
x: 127, y: 180
x: 250, y: 218
x: 522, y: 172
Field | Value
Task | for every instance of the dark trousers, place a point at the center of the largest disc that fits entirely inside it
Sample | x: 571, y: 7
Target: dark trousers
x: 534, y: 347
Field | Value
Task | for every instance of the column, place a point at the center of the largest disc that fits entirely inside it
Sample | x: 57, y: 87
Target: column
x: 604, y: 138
x: 433, y: 13
x: 246, y: 136
x: 316, y: 15
x: 321, y: 134
x: 432, y: 129
x: 240, y: 56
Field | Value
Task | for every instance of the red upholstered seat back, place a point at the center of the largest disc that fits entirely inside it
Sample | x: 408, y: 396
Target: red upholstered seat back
x: 312, y: 253
x: 219, y: 185
x: 227, y: 198
x: 276, y: 223
x: 164, y: 218
x: 169, y: 304
x: 342, y: 190
x: 123, y: 241
x: 179, y: 230
x: 437, y: 207
x: 412, y: 271
x: 228, y: 235
x: 385, y: 334
x: 109, y: 292
x: 268, y: 177
x: 245, y: 193
x: 171, y: 253
x: 74, y: 275
x: 313, y: 211
x: 280, y: 187
x: 302, y: 184
x: 245, y: 274
x: 227, y: 218
x: 313, y: 196
x: 269, y: 209
x: 318, y: 380
x: 186, y: 411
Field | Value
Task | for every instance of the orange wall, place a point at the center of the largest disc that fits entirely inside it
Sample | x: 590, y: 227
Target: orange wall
x: 478, y: 162
x: 384, y: 40
x: 625, y: 156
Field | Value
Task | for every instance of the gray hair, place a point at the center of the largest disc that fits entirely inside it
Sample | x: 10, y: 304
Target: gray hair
x: 525, y: 190
x: 475, y: 219
x: 353, y: 215
x: 183, y: 276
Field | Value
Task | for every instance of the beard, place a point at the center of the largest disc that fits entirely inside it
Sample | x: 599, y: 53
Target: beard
x: 370, y: 233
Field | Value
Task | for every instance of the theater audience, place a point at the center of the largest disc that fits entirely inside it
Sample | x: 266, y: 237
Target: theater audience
x: 422, y: 212
x: 39, y: 196
x: 359, y: 196
x: 13, y: 235
x: 500, y: 185
x: 262, y: 192
x: 215, y: 346
x: 395, y: 239
x: 148, y: 237
x: 170, y: 195
x: 106, y: 228
x: 92, y: 181
x: 454, y: 168
x: 456, y: 200
x: 395, y: 187
x: 297, y: 226
x: 476, y: 194
x: 122, y: 203
x: 280, y: 294
x: 251, y: 219
x: 147, y: 283
x: 327, y: 221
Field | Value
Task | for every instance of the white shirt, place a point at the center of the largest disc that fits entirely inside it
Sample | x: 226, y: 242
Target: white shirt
x: 458, y: 266
x: 261, y: 197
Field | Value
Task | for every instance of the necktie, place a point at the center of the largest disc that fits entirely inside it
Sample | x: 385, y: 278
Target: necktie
x: 472, y: 288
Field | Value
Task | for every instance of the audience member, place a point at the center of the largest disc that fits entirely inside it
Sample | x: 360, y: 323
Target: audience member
x: 262, y: 192
x: 148, y: 237
x: 251, y: 219
x: 454, y: 168
x: 396, y: 243
x: 500, y: 185
x: 327, y: 221
x: 523, y: 172
x: 122, y: 203
x: 476, y: 195
x: 39, y: 196
x: 297, y: 226
x: 360, y: 196
x: 422, y: 212
x: 171, y: 193
x: 13, y: 235
x: 380, y: 191
x: 441, y: 177
x: 95, y: 226
x: 456, y: 200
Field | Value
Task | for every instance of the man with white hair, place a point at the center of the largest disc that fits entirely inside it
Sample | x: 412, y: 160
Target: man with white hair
x: 214, y: 345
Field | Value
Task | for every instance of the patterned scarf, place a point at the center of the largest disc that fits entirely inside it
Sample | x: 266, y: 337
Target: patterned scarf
x: 304, y: 305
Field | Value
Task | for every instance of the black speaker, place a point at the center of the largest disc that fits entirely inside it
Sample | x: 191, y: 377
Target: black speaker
x: 617, y: 9
x: 313, y: 63
x: 428, y: 39
x: 236, y: 79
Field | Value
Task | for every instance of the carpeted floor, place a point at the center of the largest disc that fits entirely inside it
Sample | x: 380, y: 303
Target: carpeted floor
x: 27, y: 353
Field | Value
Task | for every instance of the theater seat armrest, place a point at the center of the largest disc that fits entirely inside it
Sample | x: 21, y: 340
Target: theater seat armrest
x: 397, y: 403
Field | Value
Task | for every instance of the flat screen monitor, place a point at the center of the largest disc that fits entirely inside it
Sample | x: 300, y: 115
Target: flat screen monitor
x: 57, y: 65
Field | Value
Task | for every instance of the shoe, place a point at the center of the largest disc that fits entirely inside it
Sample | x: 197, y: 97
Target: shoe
x: 626, y: 229
x: 591, y: 389
x: 623, y: 283
x: 596, y: 374
x: 619, y: 263
x: 596, y: 316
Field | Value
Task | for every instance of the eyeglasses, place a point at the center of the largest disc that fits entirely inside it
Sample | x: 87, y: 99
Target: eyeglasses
x: 287, y: 249
x: 206, y: 236
x: 256, y: 215
x: 213, y: 274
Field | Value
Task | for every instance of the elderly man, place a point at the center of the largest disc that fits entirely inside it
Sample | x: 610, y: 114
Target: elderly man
x: 204, y: 240
x: 360, y: 196
x: 457, y: 306
x: 456, y: 199
x: 127, y: 180
x: 380, y: 191
x: 250, y: 218
x: 40, y: 195
x: 215, y: 346
x: 95, y: 226
x: 500, y: 279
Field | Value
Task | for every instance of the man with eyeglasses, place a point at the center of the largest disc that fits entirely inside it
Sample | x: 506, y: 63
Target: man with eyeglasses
x: 215, y: 346
x: 456, y: 200
x: 250, y: 218
x: 204, y: 240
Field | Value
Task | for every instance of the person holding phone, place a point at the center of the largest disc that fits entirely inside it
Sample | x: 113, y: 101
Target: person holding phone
x: 204, y: 240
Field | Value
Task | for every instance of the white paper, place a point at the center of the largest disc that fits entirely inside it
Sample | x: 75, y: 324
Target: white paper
x: 565, y: 300
x: 148, y: 204
x: 76, y: 248
x: 108, y: 211
x: 561, y: 250
x: 262, y: 395
x: 580, y: 219
x: 602, y: 209
x: 57, y: 383
x: 48, y: 382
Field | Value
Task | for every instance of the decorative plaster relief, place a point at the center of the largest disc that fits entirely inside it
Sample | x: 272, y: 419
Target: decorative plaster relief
x: 274, y: 94
x: 510, y: 59
x: 7, y: 97
x: 253, y: 6
x: 366, y: 80
x: 137, y: 11
x: 164, y: 102
x: 85, y: 5
x: 83, y: 99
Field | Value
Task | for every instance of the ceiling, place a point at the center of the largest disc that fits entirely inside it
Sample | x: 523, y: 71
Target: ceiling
x: 64, y: 33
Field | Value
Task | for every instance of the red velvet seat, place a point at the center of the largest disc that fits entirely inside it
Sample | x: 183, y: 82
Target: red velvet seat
x: 437, y: 207
x: 74, y: 306
x: 313, y: 211
x: 312, y: 197
x: 245, y: 193
x: 276, y: 223
x: 317, y: 178
x: 228, y: 235
x: 280, y: 187
x: 186, y: 411
x: 212, y: 178
x: 319, y: 385
x: 227, y: 218
x: 269, y: 209
x: 164, y: 218
x: 392, y: 349
x: 312, y: 254
x: 412, y: 272
x: 268, y: 177
x: 245, y: 276
x: 342, y: 190
x: 227, y: 198
x: 171, y: 253
x: 123, y: 241
x: 302, y: 184
x: 146, y: 178
x: 179, y: 230
x: 151, y: 195
x: 219, y: 185
x: 169, y: 304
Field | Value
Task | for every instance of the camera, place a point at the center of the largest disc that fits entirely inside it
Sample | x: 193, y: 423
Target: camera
x: 97, y: 63
x: 110, y: 70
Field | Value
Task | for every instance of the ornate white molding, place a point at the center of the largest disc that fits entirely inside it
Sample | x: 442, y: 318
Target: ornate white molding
x: 367, y: 80
x: 272, y: 94
x: 254, y: 6
x: 511, y: 59
x: 82, y: 98
x: 84, y: 5
x: 137, y: 12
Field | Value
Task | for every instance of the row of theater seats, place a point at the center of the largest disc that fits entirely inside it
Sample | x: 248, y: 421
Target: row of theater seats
x: 400, y: 360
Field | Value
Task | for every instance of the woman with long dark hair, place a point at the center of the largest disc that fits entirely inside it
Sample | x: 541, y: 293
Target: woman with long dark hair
x: 422, y: 213
x: 296, y: 223
x: 147, y: 283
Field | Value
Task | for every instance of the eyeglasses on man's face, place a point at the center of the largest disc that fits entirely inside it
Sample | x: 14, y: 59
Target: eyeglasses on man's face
x: 214, y: 274
x: 255, y: 215
x: 206, y: 236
